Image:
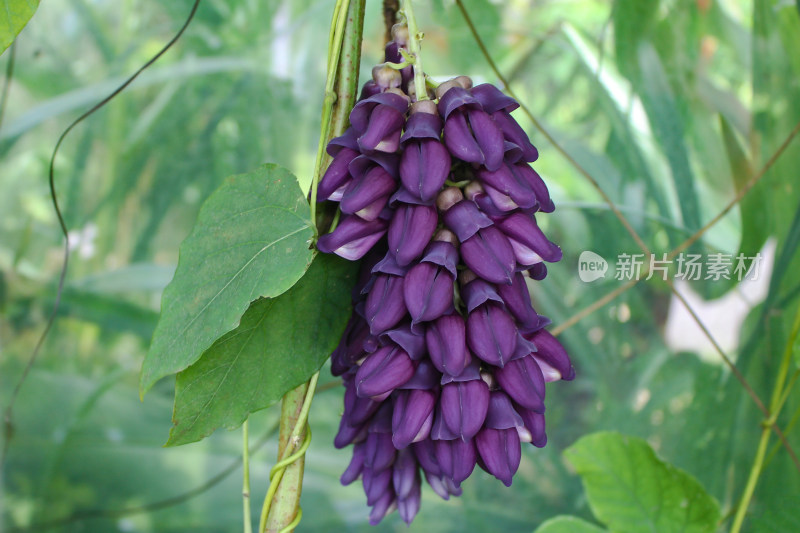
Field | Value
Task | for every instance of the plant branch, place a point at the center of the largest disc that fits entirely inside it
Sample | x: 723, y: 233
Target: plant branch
x: 415, y: 48
x: 247, y: 520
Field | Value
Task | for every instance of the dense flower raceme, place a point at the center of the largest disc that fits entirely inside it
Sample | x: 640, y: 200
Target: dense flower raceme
x: 444, y: 360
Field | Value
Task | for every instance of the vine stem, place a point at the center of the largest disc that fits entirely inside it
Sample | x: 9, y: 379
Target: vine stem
x: 248, y: 524
x: 340, y: 13
x: 414, y: 38
x: 280, y: 511
x: 776, y: 403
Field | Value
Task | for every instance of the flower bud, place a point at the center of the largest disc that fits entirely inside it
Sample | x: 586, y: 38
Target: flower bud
x: 456, y: 458
x: 353, y: 237
x: 464, y: 405
x: 492, y: 334
x: 383, y: 371
x: 410, y: 230
x: 385, y: 306
x: 413, y: 416
x: 530, y: 246
x: 500, y: 451
x: 446, y: 341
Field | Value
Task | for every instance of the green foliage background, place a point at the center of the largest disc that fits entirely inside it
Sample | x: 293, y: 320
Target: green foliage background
x: 671, y: 105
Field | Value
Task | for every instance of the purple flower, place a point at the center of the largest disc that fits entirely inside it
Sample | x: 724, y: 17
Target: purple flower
x: 410, y: 231
x: 551, y: 353
x: 517, y: 300
x: 378, y: 120
x: 522, y: 379
x: 446, y: 341
x: 356, y: 466
x: 407, y: 484
x: 368, y: 193
x: 511, y: 181
x: 489, y: 254
x: 456, y: 458
x: 500, y: 106
x: 383, y: 371
x: 385, y: 306
x: 492, y: 334
x: 529, y: 244
x: 413, y: 416
x: 353, y: 237
x: 428, y: 289
x: 464, y: 405
x: 500, y: 452
x: 470, y: 134
x: 425, y: 163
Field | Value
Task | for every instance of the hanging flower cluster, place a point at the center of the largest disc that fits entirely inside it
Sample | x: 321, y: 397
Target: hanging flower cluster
x: 444, y: 360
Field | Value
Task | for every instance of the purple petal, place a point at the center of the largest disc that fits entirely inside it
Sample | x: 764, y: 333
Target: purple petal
x: 455, y: 98
x: 383, y: 371
x: 501, y: 414
x: 442, y: 485
x: 353, y: 237
x: 459, y: 140
x: 509, y: 179
x: 410, y: 231
x: 376, y: 483
x: 492, y: 99
x: 550, y: 351
x: 464, y: 405
x: 491, y: 334
x: 371, y: 189
x: 490, y: 255
x: 534, y: 423
x: 385, y: 505
x: 356, y: 465
x: 500, y: 451
x: 446, y: 341
x: 456, y: 458
x: 405, y: 474
x: 385, y: 307
x: 488, y: 136
x: 361, y: 114
x: 518, y: 302
x: 424, y: 167
x: 528, y: 241
x: 426, y: 377
x: 383, y: 131
x: 379, y: 452
x: 422, y: 126
x: 337, y: 176
x: 412, y: 343
x: 478, y: 292
x: 428, y: 292
x: 412, y: 417
x: 465, y: 220
x: 425, y: 453
x: 514, y: 133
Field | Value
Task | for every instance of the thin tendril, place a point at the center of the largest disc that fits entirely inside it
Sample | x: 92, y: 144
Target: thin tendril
x: 9, y: 412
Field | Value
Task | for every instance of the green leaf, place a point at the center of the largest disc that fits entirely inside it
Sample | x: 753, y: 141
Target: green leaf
x: 630, y: 489
x: 279, y: 344
x: 633, y: 22
x: 664, y: 115
x: 568, y: 524
x: 14, y: 15
x: 753, y: 234
x: 251, y: 240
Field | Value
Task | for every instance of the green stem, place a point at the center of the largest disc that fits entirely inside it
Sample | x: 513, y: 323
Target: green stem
x: 280, y: 511
x: 776, y: 403
x: 414, y: 38
x: 340, y: 15
x: 248, y: 524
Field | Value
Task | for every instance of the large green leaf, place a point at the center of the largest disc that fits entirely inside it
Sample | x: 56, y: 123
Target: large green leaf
x: 568, y: 524
x: 251, y: 241
x: 14, y: 14
x: 279, y: 344
x: 632, y: 490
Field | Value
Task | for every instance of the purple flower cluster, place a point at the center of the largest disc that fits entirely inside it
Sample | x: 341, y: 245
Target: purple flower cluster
x: 444, y: 360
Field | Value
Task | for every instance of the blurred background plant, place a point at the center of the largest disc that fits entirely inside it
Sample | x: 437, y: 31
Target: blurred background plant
x: 672, y: 106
